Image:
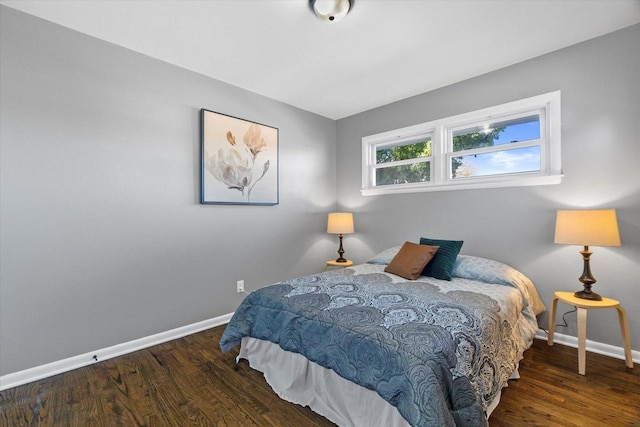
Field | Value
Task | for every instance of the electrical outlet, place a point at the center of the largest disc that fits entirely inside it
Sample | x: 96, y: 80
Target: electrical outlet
x: 240, y: 286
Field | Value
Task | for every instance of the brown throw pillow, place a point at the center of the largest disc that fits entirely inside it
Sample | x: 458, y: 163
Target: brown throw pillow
x: 411, y: 260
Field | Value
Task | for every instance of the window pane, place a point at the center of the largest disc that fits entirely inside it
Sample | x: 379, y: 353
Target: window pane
x: 412, y: 150
x: 497, y: 163
x: 404, y: 174
x: 498, y: 133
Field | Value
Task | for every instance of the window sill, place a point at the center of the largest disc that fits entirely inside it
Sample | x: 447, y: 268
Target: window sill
x: 494, y: 183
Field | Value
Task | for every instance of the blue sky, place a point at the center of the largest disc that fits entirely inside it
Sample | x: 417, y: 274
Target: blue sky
x: 507, y: 161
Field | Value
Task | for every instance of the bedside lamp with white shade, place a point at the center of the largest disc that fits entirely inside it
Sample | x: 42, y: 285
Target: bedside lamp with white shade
x: 587, y: 228
x: 340, y: 223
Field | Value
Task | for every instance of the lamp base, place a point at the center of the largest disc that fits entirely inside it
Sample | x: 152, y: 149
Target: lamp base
x: 587, y: 278
x: 341, y: 251
x: 584, y: 294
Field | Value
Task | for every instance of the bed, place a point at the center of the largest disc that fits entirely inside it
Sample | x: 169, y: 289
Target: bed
x: 362, y: 346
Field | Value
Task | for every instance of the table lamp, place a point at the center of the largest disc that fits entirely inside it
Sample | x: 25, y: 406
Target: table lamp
x: 340, y: 223
x: 587, y: 228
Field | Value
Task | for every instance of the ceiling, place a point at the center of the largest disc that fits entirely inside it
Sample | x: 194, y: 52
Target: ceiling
x: 381, y: 52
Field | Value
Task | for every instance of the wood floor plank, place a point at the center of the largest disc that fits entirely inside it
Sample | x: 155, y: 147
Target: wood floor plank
x: 550, y: 384
x: 190, y: 382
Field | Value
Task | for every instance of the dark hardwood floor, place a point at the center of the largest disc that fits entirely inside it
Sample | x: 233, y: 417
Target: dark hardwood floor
x: 550, y: 391
x: 190, y: 382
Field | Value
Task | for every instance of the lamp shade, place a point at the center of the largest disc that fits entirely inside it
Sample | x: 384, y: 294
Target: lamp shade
x: 587, y: 227
x: 340, y: 223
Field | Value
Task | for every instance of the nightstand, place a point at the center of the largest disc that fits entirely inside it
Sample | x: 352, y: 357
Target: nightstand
x: 582, y: 306
x: 334, y: 263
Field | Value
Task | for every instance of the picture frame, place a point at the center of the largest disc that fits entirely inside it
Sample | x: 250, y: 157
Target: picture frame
x: 239, y: 161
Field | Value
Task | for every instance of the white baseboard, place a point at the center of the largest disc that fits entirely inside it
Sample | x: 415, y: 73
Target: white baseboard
x: 75, y: 362
x: 592, y: 346
x: 43, y: 371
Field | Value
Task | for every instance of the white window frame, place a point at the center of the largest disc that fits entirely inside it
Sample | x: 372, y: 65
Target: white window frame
x: 547, y: 106
x: 397, y: 141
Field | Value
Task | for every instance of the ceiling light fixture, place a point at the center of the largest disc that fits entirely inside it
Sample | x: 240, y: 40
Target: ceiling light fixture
x: 330, y: 10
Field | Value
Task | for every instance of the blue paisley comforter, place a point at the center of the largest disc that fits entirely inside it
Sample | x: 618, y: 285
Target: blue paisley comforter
x: 439, y: 351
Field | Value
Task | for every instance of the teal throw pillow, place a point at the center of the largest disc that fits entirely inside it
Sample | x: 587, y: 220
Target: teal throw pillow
x: 443, y: 262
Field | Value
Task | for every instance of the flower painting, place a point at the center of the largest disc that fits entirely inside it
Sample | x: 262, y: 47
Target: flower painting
x: 239, y: 161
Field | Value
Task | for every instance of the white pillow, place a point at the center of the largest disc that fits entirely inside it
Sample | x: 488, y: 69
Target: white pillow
x: 385, y: 256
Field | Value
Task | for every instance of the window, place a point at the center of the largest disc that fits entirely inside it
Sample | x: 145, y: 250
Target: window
x: 513, y: 144
x: 404, y: 162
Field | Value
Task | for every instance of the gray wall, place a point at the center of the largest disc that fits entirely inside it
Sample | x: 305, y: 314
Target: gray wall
x: 103, y: 239
x: 600, y: 85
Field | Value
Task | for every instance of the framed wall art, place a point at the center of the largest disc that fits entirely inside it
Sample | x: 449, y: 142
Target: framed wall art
x: 239, y: 161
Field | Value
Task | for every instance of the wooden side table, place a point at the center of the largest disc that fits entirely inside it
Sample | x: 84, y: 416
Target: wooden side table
x: 334, y: 263
x: 582, y: 305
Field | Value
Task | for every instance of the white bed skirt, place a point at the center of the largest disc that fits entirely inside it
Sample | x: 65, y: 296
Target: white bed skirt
x: 298, y: 380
